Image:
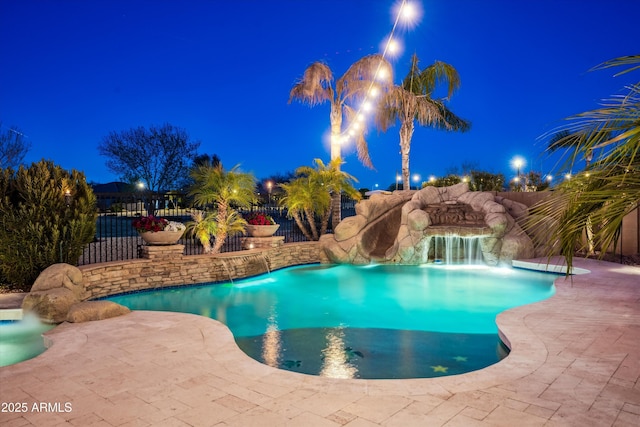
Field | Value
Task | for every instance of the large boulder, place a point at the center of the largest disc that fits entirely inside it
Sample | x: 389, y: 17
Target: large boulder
x: 58, y: 293
x: 95, y: 310
x: 60, y: 276
x: 51, y: 305
x: 54, y: 292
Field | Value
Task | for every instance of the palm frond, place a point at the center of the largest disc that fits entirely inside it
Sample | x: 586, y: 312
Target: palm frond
x: 362, y: 148
x: 315, y: 85
x: 439, y: 73
x: 358, y: 78
x: 631, y: 60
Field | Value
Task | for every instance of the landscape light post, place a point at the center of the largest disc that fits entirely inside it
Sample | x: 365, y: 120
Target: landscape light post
x: 518, y: 163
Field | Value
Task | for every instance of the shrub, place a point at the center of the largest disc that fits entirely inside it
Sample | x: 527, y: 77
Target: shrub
x: 47, y: 216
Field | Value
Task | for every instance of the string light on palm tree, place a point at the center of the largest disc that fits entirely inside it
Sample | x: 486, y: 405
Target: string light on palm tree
x: 407, y: 13
x: 363, y: 82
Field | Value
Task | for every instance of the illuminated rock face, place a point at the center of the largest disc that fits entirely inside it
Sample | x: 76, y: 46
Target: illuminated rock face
x: 406, y: 227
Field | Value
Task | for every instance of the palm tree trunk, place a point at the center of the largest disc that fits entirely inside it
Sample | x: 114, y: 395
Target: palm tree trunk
x: 311, y: 219
x: 221, y: 235
x: 406, y: 132
x: 325, y: 222
x: 336, y: 126
x: 301, y: 226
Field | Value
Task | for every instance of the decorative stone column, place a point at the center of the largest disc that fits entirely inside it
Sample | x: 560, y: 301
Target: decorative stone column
x: 161, y: 252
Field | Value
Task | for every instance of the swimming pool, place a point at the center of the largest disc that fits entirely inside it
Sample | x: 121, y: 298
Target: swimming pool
x: 21, y: 339
x: 378, y: 321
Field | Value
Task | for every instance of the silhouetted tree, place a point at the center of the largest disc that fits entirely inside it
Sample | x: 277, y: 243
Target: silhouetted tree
x: 159, y: 157
x: 13, y: 147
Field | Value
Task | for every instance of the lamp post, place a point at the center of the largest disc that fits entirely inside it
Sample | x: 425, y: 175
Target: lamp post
x: 269, y: 187
x: 518, y: 163
x: 140, y: 185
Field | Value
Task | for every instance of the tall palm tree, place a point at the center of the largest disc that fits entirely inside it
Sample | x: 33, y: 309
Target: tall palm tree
x: 310, y: 195
x: 604, y: 194
x: 224, y: 191
x: 317, y: 87
x: 413, y: 102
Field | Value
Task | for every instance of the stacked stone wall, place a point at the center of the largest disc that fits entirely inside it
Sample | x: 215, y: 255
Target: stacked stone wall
x: 164, y: 266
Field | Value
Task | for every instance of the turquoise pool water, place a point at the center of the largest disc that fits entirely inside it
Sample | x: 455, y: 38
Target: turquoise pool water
x: 21, y: 339
x: 381, y: 321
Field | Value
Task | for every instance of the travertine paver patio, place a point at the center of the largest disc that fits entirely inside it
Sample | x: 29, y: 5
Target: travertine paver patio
x: 575, y: 361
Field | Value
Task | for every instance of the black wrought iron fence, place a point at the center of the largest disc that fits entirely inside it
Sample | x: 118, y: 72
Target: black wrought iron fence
x: 116, y: 239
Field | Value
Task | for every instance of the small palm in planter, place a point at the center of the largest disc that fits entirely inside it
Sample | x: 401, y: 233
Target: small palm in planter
x: 205, y: 227
x: 158, y: 231
x: 224, y: 191
x: 260, y: 224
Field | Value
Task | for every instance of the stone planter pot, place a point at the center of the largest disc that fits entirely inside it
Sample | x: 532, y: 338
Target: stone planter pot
x: 262, y: 230
x: 161, y: 237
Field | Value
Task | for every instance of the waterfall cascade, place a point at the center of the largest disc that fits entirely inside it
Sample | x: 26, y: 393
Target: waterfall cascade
x: 452, y: 249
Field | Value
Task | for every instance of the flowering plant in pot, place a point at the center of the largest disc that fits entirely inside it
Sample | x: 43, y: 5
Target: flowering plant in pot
x: 259, y: 218
x: 158, y: 231
x: 260, y: 224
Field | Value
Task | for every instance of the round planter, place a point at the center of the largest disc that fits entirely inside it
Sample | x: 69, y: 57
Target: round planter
x: 262, y: 230
x: 161, y: 237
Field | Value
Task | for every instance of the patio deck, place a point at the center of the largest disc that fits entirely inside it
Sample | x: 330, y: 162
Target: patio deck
x: 575, y: 361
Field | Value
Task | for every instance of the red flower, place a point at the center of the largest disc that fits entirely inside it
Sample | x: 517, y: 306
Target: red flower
x: 149, y: 223
x: 259, y: 218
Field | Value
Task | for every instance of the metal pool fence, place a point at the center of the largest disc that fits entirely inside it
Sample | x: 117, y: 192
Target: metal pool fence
x: 117, y: 240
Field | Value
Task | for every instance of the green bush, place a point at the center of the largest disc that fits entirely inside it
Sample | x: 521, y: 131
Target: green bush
x: 47, y: 216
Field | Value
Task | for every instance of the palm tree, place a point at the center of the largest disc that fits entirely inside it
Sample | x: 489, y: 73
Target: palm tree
x: 222, y: 190
x: 413, y: 102
x: 310, y: 195
x: 317, y: 87
x: 609, y: 138
x: 202, y: 226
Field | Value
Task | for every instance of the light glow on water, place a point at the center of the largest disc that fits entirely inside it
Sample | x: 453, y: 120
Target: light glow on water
x: 436, y: 298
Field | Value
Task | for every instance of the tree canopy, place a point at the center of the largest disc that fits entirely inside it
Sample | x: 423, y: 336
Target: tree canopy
x: 414, y: 101
x: 158, y: 156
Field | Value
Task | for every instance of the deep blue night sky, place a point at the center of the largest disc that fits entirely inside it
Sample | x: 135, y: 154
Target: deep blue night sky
x: 72, y: 71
